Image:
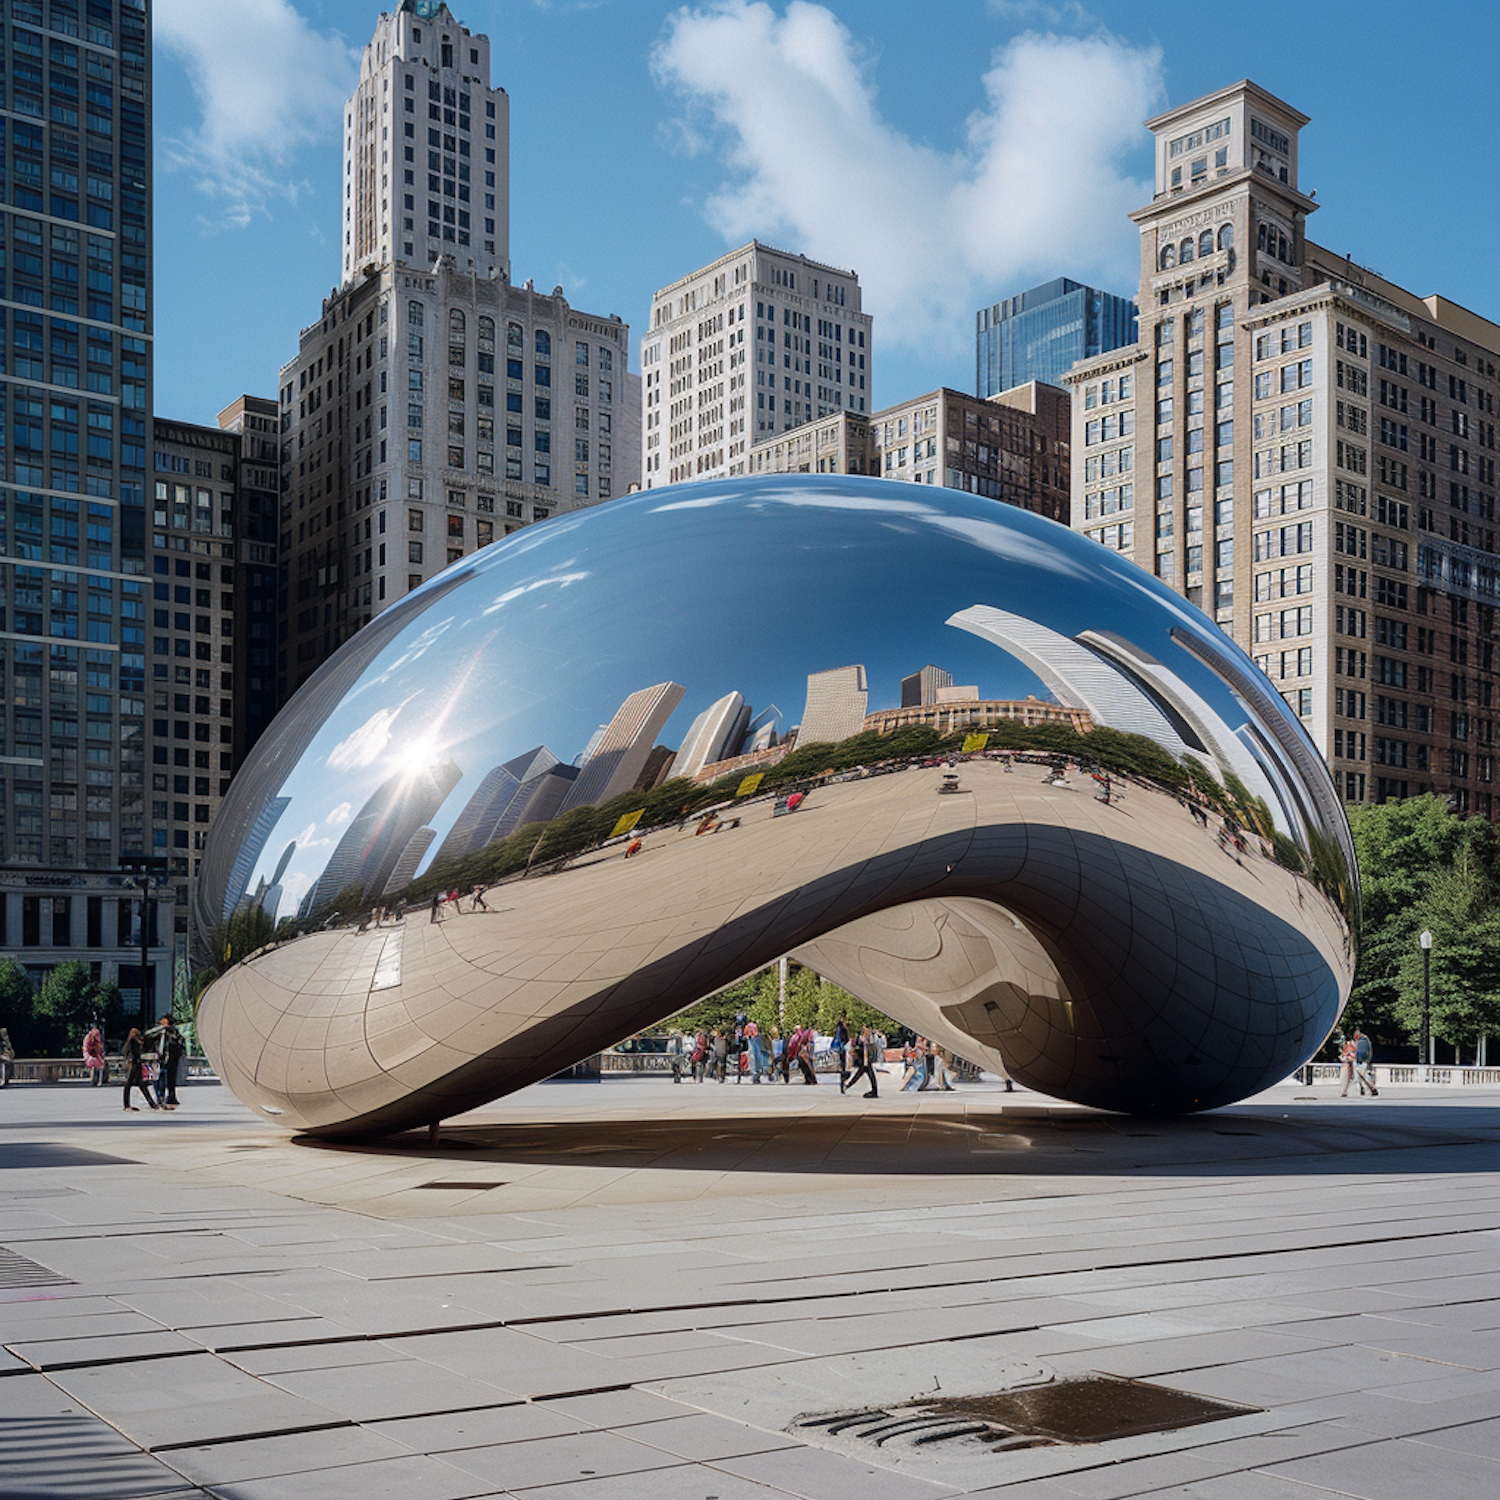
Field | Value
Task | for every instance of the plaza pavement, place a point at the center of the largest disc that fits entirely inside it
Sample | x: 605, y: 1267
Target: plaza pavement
x: 631, y: 1291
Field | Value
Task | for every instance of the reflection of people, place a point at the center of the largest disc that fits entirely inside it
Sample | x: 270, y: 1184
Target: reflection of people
x: 632, y: 848
x: 478, y: 903
x: 674, y: 1055
x: 437, y: 907
x: 94, y: 1059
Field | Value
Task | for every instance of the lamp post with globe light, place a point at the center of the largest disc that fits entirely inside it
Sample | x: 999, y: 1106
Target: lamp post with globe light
x: 1426, y: 1049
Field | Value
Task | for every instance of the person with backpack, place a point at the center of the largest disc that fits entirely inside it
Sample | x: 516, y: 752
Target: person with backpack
x: 170, y: 1047
x: 841, y: 1049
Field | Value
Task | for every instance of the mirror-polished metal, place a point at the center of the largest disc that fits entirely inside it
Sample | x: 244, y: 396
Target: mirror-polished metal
x: 1158, y: 918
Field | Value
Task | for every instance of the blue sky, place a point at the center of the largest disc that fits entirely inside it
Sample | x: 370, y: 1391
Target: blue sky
x: 953, y: 153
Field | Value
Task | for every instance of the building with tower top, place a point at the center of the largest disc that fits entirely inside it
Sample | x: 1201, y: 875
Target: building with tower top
x: 1307, y: 451
x: 434, y: 407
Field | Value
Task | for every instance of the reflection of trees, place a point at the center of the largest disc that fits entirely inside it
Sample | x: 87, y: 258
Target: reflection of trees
x: 247, y: 931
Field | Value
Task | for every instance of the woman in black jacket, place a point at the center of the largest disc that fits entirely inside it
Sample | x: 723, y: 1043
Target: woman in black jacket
x: 130, y: 1055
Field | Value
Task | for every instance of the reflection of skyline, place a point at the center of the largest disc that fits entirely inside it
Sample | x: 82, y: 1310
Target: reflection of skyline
x: 837, y: 701
x: 620, y: 756
x: 711, y: 735
x: 531, y: 646
x: 375, y: 839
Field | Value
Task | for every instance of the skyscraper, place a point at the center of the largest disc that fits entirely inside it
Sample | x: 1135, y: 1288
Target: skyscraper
x: 433, y: 407
x: 836, y: 703
x: 426, y: 147
x: 715, y: 734
x: 1040, y: 334
x: 75, y: 401
x: 810, y: 347
x: 1306, y: 450
x: 620, y: 754
x: 922, y: 687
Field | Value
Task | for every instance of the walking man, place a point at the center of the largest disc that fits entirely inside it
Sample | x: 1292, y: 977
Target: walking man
x: 1363, y: 1052
x: 864, y: 1064
x: 170, y: 1047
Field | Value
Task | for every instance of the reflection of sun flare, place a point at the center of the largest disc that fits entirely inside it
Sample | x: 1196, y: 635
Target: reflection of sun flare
x: 417, y: 757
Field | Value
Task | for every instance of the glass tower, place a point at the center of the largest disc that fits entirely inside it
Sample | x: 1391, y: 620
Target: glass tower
x: 75, y: 403
x: 1041, y: 334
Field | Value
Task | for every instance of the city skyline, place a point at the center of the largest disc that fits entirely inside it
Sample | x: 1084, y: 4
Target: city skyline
x: 659, y: 141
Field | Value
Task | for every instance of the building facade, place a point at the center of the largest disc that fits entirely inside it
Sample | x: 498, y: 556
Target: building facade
x: 836, y: 444
x: 254, y: 421
x: 75, y: 403
x: 1306, y: 451
x: 434, y: 406
x: 810, y: 347
x: 192, y: 627
x: 426, y: 148
x: 1012, y: 447
x: 1042, y: 333
x: 975, y: 714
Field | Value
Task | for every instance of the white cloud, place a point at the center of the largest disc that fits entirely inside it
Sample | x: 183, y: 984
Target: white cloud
x: 339, y: 815
x: 1037, y: 189
x: 365, y: 745
x: 268, y: 84
x: 307, y: 840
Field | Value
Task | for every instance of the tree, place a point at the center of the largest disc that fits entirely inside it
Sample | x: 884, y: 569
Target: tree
x: 1423, y: 867
x: 17, y: 1004
x: 68, y: 1003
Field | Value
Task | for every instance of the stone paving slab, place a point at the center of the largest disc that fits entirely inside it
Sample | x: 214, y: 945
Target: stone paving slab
x: 669, y: 1276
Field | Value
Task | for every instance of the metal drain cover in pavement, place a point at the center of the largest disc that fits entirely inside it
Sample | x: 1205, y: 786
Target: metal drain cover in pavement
x: 1090, y: 1409
x: 16, y: 1271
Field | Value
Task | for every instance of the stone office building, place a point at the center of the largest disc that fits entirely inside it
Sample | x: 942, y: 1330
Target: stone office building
x: 796, y: 322
x: 434, y: 406
x: 1306, y: 451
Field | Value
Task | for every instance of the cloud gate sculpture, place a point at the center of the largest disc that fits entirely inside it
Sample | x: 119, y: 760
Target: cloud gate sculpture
x: 1148, y: 907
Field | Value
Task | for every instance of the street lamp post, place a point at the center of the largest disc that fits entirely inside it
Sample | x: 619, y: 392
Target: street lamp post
x: 142, y: 867
x: 1426, y: 941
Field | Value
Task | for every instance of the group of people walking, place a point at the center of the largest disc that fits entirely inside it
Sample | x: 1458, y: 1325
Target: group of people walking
x: 742, y: 1051
x: 151, y: 1062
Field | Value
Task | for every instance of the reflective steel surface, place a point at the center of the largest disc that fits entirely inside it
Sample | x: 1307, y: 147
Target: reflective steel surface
x: 1158, y: 918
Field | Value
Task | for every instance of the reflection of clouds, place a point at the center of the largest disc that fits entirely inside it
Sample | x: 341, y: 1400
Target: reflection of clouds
x: 364, y: 746
x: 1017, y: 546
x: 293, y: 889
x: 339, y: 814
x: 560, y: 580
x: 305, y: 839
x: 417, y: 648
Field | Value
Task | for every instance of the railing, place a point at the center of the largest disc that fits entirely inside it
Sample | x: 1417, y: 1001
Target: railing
x: 72, y: 1070
x: 1397, y: 1073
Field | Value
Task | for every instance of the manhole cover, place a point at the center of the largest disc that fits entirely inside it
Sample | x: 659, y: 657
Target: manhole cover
x: 1091, y: 1409
x: 17, y: 1271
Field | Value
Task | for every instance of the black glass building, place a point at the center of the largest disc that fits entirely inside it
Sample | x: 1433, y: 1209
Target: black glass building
x: 75, y: 404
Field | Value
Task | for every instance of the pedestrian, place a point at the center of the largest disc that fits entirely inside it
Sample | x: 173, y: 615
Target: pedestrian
x: 170, y: 1047
x: 911, y: 1057
x: 480, y: 904
x: 1363, y: 1051
x: 778, y: 1057
x: 738, y: 1048
x: 94, y: 1059
x: 757, y: 1051
x: 437, y: 907
x: 940, y: 1070
x: 401, y: 911
x: 863, y: 1048
x: 721, y: 1055
x: 700, y: 1054
x: 841, y: 1048
x: 135, y: 1070
x: 674, y: 1055
x: 799, y: 1050
x: 1347, y: 1050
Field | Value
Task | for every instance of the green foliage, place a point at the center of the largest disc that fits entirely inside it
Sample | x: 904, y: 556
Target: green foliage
x: 66, y: 1005
x: 246, y: 932
x: 810, y: 1001
x: 17, y: 1002
x: 1424, y: 867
